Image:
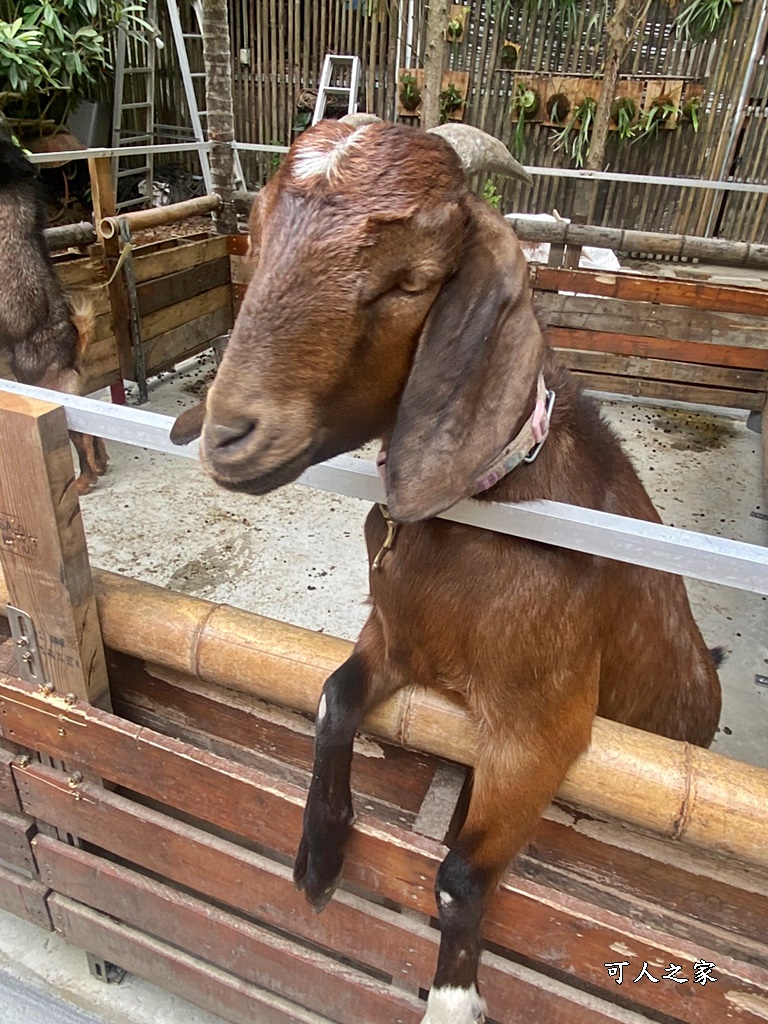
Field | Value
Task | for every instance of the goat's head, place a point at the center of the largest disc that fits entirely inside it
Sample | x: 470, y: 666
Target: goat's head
x: 387, y: 302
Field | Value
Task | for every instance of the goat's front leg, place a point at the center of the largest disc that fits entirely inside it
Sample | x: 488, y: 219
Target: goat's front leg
x: 346, y: 698
x: 518, y: 771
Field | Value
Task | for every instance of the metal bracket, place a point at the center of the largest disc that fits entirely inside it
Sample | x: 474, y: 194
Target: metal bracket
x: 28, y: 655
x: 103, y: 970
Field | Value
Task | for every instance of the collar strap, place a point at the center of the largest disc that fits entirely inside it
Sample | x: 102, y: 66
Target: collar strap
x: 526, y: 445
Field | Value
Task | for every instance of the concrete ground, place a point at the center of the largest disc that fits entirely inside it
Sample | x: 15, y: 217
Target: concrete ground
x: 298, y: 555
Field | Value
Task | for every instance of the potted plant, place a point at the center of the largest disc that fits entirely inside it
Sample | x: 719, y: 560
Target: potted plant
x: 558, y: 108
x: 454, y: 30
x: 662, y: 111
x: 509, y: 55
x: 575, y: 135
x: 624, y: 116
x: 691, y: 112
x: 52, y: 54
x: 700, y: 19
x: 451, y: 100
x: 410, y: 94
x: 525, y: 106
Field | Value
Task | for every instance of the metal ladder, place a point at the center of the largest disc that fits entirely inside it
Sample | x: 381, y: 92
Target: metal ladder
x: 137, y: 57
x: 182, y: 40
x: 133, y: 123
x: 349, y: 69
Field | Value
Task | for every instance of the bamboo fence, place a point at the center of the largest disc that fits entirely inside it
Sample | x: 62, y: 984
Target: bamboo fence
x: 278, y: 48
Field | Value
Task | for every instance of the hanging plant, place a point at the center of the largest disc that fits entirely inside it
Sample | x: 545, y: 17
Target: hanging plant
x: 558, y: 107
x: 510, y: 54
x: 410, y: 94
x: 491, y: 195
x: 454, y: 30
x: 660, y: 111
x: 575, y: 136
x: 451, y: 100
x: 624, y: 115
x: 525, y: 105
x: 691, y: 112
x: 700, y: 19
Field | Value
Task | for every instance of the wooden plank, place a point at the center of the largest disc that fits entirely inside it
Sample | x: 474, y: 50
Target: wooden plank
x: 183, y: 285
x: 307, y: 977
x: 656, y: 348
x: 24, y: 897
x: 667, y: 392
x: 43, y: 553
x: 9, y: 798
x: 382, y: 858
x: 646, y: 877
x: 237, y: 245
x: 183, y: 255
x: 80, y: 272
x: 379, y: 770
x: 104, y: 205
x: 15, y: 836
x: 349, y: 926
x: 242, y: 268
x: 681, y: 323
x: 664, y: 291
x: 209, y: 987
x: 180, y: 313
x: 665, y: 369
x: 166, y: 349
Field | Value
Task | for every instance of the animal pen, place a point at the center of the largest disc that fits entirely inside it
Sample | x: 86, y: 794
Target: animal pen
x: 155, y: 748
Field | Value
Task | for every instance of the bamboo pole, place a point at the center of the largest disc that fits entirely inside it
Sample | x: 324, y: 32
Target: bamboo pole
x: 710, y: 250
x: 672, y: 789
x: 110, y: 226
x: 66, y: 235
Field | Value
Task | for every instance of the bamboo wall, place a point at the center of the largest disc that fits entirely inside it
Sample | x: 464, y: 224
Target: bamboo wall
x: 278, y: 48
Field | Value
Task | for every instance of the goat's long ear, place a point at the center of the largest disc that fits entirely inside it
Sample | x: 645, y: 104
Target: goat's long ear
x: 188, y: 424
x: 472, y: 378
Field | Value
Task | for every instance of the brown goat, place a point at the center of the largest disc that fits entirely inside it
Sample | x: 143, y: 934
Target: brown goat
x: 390, y: 302
x: 46, y: 335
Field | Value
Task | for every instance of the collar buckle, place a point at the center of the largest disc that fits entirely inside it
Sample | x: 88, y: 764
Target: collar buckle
x: 548, y: 414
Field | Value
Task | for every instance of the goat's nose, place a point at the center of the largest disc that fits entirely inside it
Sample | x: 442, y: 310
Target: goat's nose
x: 224, y: 435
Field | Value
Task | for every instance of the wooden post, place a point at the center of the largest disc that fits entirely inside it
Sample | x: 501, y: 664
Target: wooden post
x: 104, y: 205
x: 42, y: 547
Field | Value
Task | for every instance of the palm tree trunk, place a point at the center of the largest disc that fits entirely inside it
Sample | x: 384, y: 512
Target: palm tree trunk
x: 221, y: 117
x: 434, y: 58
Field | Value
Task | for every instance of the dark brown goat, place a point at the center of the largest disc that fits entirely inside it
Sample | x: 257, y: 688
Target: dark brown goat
x: 390, y: 302
x: 46, y: 336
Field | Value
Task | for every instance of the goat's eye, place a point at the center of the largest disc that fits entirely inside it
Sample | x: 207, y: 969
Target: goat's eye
x: 413, y: 284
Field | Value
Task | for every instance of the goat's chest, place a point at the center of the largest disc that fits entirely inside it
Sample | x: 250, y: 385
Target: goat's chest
x: 453, y: 600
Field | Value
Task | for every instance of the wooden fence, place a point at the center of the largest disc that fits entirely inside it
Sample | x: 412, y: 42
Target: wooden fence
x: 278, y: 48
x: 151, y: 804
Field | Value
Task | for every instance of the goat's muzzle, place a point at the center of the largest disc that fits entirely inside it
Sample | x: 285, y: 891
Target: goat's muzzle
x: 242, y: 457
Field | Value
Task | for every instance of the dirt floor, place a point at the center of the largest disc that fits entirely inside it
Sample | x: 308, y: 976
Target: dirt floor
x: 298, y: 554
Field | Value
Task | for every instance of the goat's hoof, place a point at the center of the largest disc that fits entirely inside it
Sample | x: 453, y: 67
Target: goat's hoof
x: 307, y: 879
x: 85, y: 484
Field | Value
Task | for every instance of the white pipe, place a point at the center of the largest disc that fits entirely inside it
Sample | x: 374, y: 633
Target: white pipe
x: 746, y: 87
x: 698, y: 555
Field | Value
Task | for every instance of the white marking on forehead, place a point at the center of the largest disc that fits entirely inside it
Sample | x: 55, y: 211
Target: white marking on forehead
x: 326, y: 158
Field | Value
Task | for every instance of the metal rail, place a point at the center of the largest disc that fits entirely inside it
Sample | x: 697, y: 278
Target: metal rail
x: 551, y: 172
x: 697, y: 555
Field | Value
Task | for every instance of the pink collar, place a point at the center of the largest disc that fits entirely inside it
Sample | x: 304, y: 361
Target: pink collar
x: 524, y: 447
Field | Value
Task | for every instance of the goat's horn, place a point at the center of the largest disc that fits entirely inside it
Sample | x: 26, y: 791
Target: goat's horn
x: 357, y: 120
x: 481, y: 152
